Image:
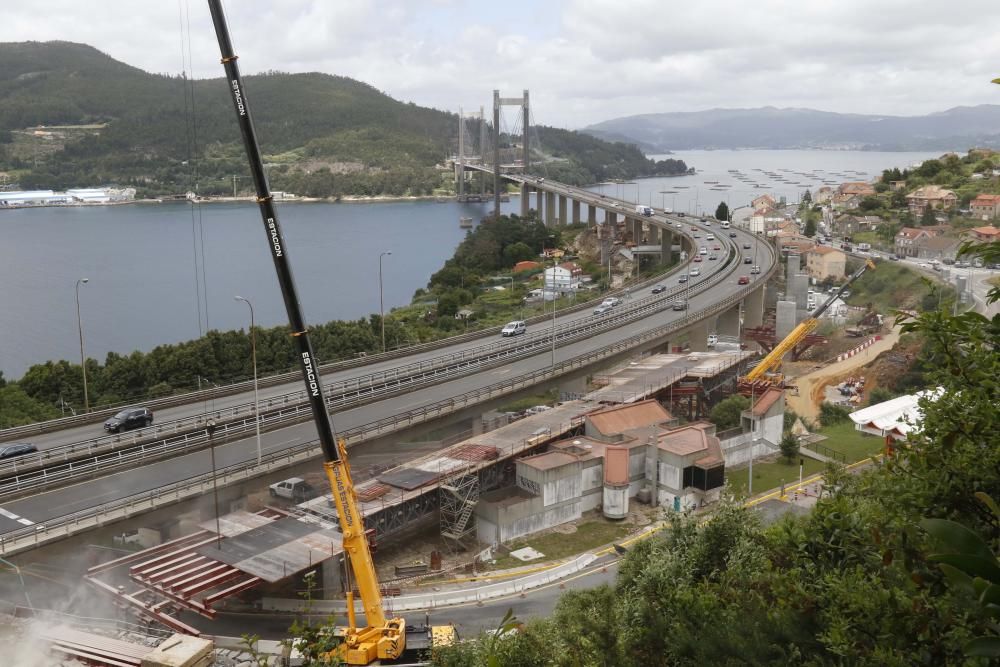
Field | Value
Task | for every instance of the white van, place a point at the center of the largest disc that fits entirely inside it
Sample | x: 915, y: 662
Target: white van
x: 725, y: 224
x: 513, y: 328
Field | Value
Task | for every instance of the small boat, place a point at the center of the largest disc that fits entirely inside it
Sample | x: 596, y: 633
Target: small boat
x: 465, y: 223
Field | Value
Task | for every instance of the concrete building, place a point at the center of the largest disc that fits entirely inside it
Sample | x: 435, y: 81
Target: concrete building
x: 690, y: 469
x: 845, y: 225
x: 825, y: 262
x: 936, y: 247
x: 985, y: 207
x: 34, y: 198
x: 763, y: 202
x: 987, y: 233
x: 933, y: 196
x: 558, y: 278
x: 907, y: 237
x: 859, y: 188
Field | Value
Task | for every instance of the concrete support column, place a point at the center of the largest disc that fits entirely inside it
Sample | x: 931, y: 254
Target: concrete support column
x: 698, y: 337
x: 562, y: 210
x: 666, y: 247
x: 653, y: 235
x: 550, y: 208
x: 633, y: 229
x: 576, y: 211
x: 540, y: 205
x: 610, y: 218
x: 753, y: 308
x: 728, y: 323
x: 525, y: 197
x: 591, y: 215
x: 332, y: 582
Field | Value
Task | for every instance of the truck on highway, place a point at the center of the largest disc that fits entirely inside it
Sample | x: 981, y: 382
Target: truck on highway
x: 645, y: 210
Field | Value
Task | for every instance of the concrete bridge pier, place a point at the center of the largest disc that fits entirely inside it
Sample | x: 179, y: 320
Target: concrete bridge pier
x: 635, y: 226
x: 667, y: 247
x: 698, y: 336
x: 653, y: 234
x: 525, y: 200
x: 576, y: 211
x: 728, y: 322
x: 610, y: 219
x: 550, y: 208
x: 591, y: 215
x: 753, y: 307
x: 562, y: 210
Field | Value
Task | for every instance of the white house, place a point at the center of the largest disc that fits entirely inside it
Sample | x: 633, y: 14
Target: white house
x: 558, y: 279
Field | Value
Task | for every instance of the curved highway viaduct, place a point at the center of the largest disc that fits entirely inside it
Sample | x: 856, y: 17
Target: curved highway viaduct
x: 716, y: 302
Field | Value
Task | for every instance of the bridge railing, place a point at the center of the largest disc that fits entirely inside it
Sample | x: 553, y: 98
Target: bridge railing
x: 69, y: 524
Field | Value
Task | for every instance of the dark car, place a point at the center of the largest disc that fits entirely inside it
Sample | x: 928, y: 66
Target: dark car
x: 128, y: 419
x: 732, y: 235
x: 659, y: 288
x: 680, y: 214
x: 744, y: 280
x: 746, y: 246
x: 747, y: 260
x: 13, y: 449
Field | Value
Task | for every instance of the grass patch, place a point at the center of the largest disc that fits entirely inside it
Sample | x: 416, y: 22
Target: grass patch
x: 555, y: 545
x: 767, y: 476
x: 891, y: 286
x: 853, y: 443
x: 522, y: 404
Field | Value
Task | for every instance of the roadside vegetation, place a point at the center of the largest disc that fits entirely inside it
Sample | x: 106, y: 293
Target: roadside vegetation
x: 857, y: 581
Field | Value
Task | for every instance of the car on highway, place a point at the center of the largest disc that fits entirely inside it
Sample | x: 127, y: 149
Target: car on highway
x: 747, y: 260
x: 716, y: 247
x: 682, y: 279
x: 680, y: 214
x: 611, y: 301
x: 680, y: 304
x: 755, y: 269
x: 713, y: 257
x: 601, y: 309
x: 744, y: 280
x: 694, y: 272
x: 746, y: 246
x: 732, y: 235
x: 697, y: 258
x: 128, y: 419
x: 712, y: 340
x: 659, y: 289
x: 514, y: 328
x: 293, y: 488
x: 703, y: 250
x: 693, y: 228
x: 15, y: 449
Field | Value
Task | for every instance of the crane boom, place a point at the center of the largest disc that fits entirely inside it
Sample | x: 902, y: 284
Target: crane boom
x: 382, y: 638
x: 803, y: 329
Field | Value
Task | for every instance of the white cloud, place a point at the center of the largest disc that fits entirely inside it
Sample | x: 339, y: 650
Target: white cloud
x: 583, y: 60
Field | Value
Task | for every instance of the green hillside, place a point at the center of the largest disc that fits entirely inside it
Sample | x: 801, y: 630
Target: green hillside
x: 323, y: 135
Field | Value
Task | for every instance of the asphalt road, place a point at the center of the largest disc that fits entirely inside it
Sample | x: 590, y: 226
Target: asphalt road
x: 59, y: 502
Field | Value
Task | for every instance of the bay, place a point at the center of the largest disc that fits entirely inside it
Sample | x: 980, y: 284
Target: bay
x: 140, y: 263
x: 140, y: 259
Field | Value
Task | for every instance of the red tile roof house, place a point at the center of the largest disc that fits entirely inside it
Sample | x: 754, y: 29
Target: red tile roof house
x: 985, y: 207
x: 988, y: 233
x: 930, y: 195
x: 907, y: 237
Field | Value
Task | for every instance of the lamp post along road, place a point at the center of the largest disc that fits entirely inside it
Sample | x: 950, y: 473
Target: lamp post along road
x: 83, y: 360
x: 381, y: 303
x: 253, y: 354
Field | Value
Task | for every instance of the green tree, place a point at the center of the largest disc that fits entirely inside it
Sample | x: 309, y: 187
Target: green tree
x: 722, y: 211
x: 807, y: 198
x: 870, y: 204
x: 928, y: 217
x: 518, y: 252
x: 789, y: 446
x: 880, y: 395
x: 830, y: 414
x: 810, y: 228
x: 726, y: 414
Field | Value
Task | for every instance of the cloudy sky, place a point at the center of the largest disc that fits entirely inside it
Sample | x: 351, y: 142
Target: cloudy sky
x: 583, y: 60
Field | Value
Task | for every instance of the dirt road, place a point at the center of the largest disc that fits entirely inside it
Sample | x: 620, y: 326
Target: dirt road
x: 811, y: 385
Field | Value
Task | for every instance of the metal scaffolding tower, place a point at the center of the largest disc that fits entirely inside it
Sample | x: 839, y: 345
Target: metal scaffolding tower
x: 459, y: 495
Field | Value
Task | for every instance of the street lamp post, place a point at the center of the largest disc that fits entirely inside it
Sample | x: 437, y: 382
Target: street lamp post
x: 554, y: 258
x: 83, y: 361
x: 253, y: 354
x: 381, y: 303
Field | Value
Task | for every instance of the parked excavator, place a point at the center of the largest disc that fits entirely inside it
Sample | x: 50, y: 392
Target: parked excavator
x: 765, y: 373
x: 381, y: 638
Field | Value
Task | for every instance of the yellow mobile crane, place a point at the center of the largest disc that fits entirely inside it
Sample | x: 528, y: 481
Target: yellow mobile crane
x: 381, y: 638
x: 764, y: 370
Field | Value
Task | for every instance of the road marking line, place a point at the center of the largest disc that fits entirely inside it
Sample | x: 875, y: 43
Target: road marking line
x: 14, y: 517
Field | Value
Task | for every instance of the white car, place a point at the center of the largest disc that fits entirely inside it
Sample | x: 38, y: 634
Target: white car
x: 611, y: 302
x: 703, y: 250
x: 601, y: 309
x: 694, y: 272
x: 754, y: 269
x: 513, y: 328
x: 712, y: 340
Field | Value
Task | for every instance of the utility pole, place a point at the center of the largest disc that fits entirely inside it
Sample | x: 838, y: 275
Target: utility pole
x: 496, y: 154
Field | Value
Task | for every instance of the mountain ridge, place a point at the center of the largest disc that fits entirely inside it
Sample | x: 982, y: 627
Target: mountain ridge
x: 797, y: 127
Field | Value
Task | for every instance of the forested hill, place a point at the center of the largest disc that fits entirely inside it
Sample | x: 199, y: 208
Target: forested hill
x: 323, y: 135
